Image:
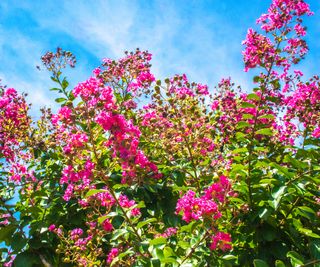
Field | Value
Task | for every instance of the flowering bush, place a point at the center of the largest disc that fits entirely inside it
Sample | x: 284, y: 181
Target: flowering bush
x: 183, y: 178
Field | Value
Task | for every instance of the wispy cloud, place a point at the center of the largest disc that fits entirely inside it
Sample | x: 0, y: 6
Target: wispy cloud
x: 201, y: 46
x: 200, y: 38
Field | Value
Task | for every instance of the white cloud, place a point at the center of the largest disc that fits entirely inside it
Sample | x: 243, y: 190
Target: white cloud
x: 206, y: 47
x: 107, y: 28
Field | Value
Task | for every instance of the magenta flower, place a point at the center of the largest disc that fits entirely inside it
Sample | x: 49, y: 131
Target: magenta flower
x: 52, y: 227
x: 221, y: 241
x: 107, y: 226
x: 112, y: 254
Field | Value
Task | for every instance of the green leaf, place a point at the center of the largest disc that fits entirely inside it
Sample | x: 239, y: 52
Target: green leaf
x: 6, y: 231
x: 169, y: 260
x: 242, y: 124
x: 259, y: 263
x: 247, y: 105
x: 295, y: 258
x: 117, y: 233
x: 229, y: 257
x: 257, y: 79
x: 187, y: 228
x: 112, y: 214
x: 279, y: 263
x: 26, y: 259
x: 184, y: 244
x: 266, y: 116
x: 308, y: 232
x: 54, y: 79
x: 143, y: 223
x: 253, y: 96
x: 65, y: 83
x: 265, y: 213
x: 141, y: 204
x: 18, y: 242
x: 315, y: 249
x: 92, y: 192
x: 168, y: 252
x: 240, y: 150
x: 158, y: 241
x: 60, y: 100
x: 265, y: 131
x: 247, y: 116
x: 159, y: 253
x: 306, y: 212
x: 277, y: 195
x: 119, y: 186
x: 56, y: 89
x: 155, y: 262
x: 283, y: 170
x: 240, y: 136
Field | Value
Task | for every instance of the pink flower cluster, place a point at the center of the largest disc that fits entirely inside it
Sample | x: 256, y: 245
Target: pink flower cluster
x: 219, y: 191
x: 64, y: 115
x: 79, y: 241
x: 155, y: 119
x: 281, y: 12
x: 232, y: 109
x: 18, y: 171
x: 128, y: 204
x: 124, y: 141
x: 105, y: 199
x: 143, y: 80
x: 181, y: 87
x: 13, y: 122
x: 95, y: 93
x: 107, y: 226
x: 112, y: 254
x: 284, y: 16
x: 260, y: 51
x: 173, y: 118
x: 195, y: 208
x: 134, y: 69
x: 304, y: 104
x: 5, y: 218
x: 221, y: 241
x: 169, y: 232
x: 76, y: 140
x: 77, y: 180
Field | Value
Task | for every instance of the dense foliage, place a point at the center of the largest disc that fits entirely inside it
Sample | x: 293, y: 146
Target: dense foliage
x: 134, y: 171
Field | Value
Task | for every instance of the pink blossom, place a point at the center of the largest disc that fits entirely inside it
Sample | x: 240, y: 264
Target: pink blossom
x: 194, y: 208
x: 10, y: 262
x: 107, y: 226
x: 64, y: 114
x: 52, y: 227
x: 316, y: 133
x: 88, y: 88
x: 219, y: 190
x: 112, y: 254
x: 259, y: 50
x: 135, y: 212
x: 125, y: 202
x: 169, y: 232
x: 76, y: 233
x: 221, y: 241
x: 300, y: 30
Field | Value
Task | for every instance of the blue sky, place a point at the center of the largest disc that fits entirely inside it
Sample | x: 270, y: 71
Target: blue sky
x: 199, y: 38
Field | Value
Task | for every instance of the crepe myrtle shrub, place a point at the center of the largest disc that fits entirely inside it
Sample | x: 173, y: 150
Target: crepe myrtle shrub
x: 134, y: 171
